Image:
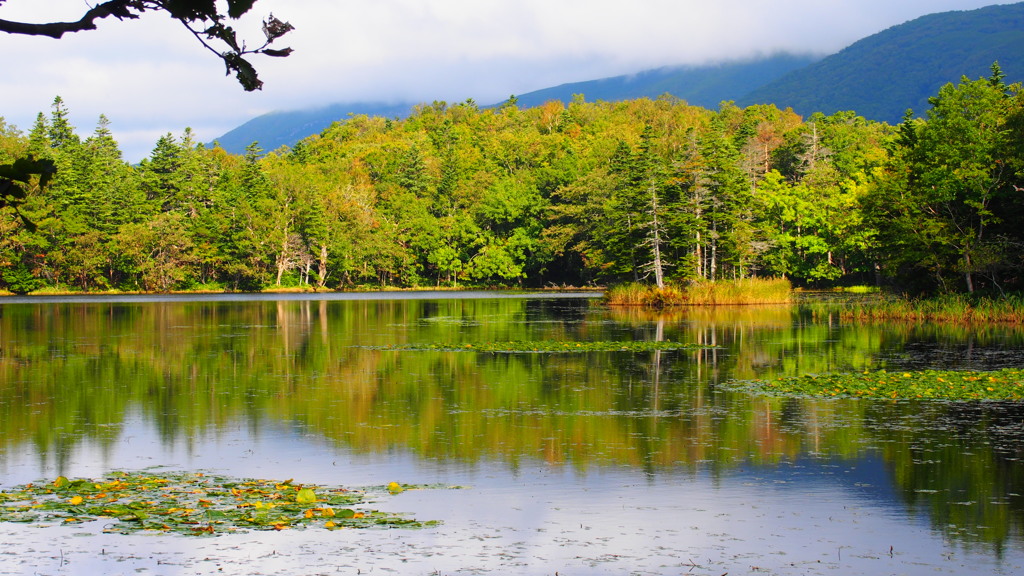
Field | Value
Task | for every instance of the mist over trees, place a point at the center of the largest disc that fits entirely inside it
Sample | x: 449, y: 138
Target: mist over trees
x: 579, y: 194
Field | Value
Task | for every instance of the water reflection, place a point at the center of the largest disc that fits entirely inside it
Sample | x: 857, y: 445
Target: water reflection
x: 77, y: 379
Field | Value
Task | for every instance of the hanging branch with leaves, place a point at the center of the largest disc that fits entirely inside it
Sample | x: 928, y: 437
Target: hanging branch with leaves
x: 201, y: 17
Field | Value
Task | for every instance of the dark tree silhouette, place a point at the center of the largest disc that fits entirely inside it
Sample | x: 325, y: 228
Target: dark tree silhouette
x: 202, y: 18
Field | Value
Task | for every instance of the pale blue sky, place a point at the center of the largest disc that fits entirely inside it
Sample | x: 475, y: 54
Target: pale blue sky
x: 151, y: 77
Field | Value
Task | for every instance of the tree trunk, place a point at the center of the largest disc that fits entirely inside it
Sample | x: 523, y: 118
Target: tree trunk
x: 321, y: 266
x: 698, y: 253
x: 967, y: 274
x: 659, y: 276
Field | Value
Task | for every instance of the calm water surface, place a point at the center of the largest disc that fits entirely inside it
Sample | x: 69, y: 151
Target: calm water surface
x: 588, y: 463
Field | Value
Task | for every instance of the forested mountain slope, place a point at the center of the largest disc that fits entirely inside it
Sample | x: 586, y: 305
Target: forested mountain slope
x: 704, y: 86
x: 285, y: 128
x: 883, y: 75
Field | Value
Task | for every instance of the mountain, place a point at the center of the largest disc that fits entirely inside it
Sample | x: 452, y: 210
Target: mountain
x: 705, y: 86
x: 285, y: 128
x: 883, y: 75
x: 699, y: 85
x: 878, y: 77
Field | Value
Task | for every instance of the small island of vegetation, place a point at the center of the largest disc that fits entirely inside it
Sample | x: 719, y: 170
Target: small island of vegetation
x: 702, y: 293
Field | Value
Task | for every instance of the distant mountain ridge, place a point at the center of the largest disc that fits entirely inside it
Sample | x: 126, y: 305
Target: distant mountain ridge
x: 878, y: 77
x: 705, y: 86
x: 881, y: 76
x: 699, y: 85
x: 285, y: 128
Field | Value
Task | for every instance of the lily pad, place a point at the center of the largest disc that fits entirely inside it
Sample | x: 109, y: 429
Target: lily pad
x: 195, y: 504
x: 1006, y: 384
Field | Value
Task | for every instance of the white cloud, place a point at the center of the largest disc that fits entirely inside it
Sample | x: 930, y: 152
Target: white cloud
x: 151, y: 77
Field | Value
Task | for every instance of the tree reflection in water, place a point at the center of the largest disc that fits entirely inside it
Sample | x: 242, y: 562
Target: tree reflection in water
x: 73, y: 374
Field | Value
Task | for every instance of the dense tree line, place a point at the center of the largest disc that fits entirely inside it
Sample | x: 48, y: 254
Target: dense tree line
x: 646, y: 190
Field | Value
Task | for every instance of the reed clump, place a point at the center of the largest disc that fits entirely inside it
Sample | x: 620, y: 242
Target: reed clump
x: 702, y: 293
x: 949, y: 308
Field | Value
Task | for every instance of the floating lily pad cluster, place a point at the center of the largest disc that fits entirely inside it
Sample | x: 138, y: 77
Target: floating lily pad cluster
x: 1007, y: 384
x: 558, y: 346
x: 195, y: 504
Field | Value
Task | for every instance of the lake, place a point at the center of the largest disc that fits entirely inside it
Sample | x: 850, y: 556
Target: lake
x: 576, y: 463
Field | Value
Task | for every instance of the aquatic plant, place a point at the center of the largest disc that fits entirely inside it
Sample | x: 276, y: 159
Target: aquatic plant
x: 195, y: 504
x: 549, y: 346
x: 1006, y: 384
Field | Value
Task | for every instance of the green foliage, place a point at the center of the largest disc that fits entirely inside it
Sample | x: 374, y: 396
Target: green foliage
x: 19, y: 279
x: 941, y: 204
x: 16, y: 177
x: 647, y: 191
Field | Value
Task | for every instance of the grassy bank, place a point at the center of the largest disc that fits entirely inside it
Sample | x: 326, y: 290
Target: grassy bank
x: 954, y: 308
x: 703, y: 293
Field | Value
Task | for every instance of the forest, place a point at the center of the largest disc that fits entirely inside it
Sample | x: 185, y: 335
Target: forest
x: 577, y: 194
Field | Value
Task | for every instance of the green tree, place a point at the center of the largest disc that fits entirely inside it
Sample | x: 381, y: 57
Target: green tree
x: 509, y: 216
x: 728, y: 240
x: 938, y: 197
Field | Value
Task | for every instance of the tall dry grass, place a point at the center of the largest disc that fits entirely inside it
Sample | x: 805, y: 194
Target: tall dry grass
x: 703, y: 293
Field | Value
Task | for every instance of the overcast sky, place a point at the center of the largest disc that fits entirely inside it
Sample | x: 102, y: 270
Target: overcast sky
x: 151, y: 77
